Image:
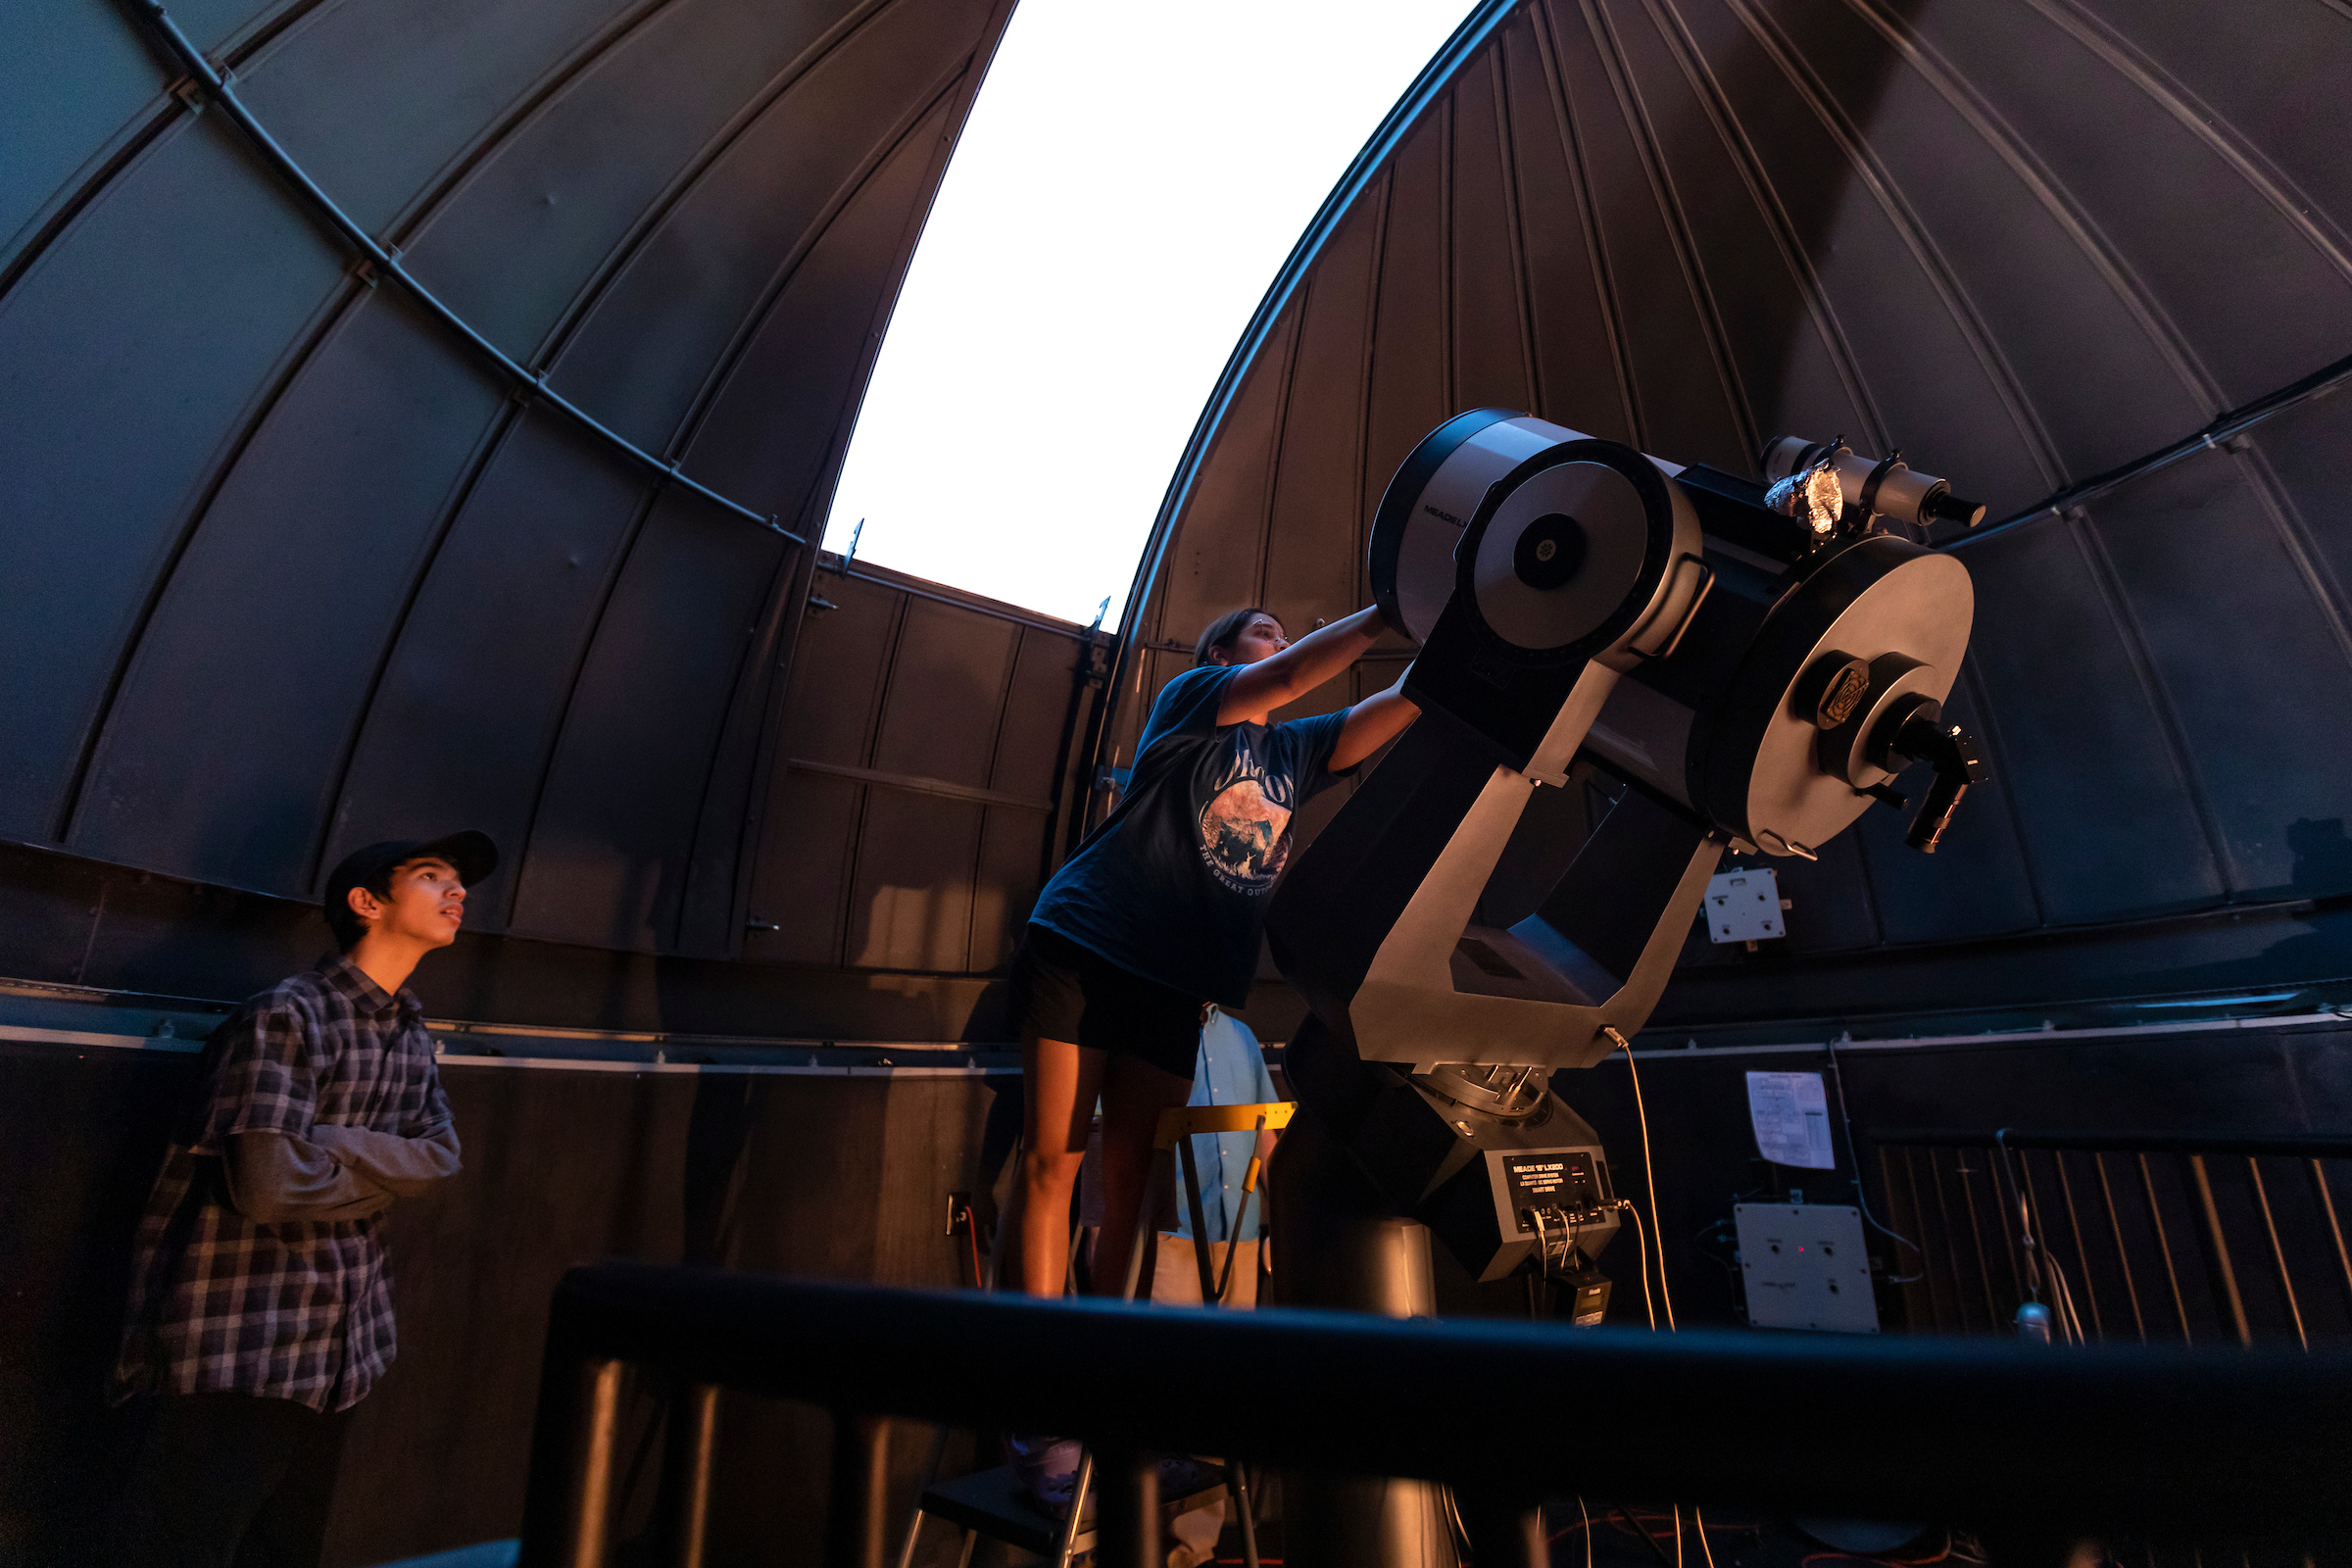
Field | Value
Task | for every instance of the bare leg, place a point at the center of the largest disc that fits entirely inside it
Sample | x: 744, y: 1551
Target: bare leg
x: 1059, y: 1088
x: 1133, y: 1096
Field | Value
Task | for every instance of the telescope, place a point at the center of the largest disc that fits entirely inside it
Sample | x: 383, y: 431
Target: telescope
x: 1754, y: 665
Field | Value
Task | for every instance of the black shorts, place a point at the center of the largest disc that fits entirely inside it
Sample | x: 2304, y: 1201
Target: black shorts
x: 1063, y: 990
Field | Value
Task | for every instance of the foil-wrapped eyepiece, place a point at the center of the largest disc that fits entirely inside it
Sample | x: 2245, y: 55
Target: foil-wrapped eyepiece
x: 1811, y: 496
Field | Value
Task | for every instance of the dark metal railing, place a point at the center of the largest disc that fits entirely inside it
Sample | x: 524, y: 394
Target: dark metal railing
x: 2027, y: 1445
x: 2125, y: 1235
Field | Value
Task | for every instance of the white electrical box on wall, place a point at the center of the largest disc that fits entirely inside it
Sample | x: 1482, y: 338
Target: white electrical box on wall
x: 1805, y: 1266
x: 1743, y: 906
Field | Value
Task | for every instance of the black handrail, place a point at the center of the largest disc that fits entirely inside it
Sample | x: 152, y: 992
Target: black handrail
x: 2028, y: 1443
x: 2291, y: 1146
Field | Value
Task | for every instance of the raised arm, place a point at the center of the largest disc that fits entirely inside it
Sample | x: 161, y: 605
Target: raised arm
x: 1285, y: 677
x: 1371, y: 724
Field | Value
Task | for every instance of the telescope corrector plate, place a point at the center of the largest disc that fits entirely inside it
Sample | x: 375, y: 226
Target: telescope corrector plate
x: 1616, y: 538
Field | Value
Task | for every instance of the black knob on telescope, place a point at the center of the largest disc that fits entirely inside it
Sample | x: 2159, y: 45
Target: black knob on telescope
x: 1941, y: 506
x: 1916, y: 730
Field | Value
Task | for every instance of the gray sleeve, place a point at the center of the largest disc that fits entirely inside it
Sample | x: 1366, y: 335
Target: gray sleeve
x: 403, y: 1166
x: 276, y: 1177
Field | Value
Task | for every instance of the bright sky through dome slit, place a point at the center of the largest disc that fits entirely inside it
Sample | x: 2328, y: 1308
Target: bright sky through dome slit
x: 1130, y: 181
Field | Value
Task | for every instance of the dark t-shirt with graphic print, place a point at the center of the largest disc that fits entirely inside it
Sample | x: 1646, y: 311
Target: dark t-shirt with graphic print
x: 1173, y: 886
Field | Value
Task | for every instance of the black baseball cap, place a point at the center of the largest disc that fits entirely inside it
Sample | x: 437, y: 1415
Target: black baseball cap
x: 471, y: 853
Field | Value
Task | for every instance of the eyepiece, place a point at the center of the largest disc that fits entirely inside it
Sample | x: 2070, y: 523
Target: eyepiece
x: 1941, y: 506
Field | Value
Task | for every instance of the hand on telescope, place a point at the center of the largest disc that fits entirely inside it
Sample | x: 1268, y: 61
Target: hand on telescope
x: 1371, y: 724
x: 1281, y: 678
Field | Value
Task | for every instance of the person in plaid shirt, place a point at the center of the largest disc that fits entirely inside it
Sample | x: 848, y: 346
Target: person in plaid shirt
x: 260, y: 1305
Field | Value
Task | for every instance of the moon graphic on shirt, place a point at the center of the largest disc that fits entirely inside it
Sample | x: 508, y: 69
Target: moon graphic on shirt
x: 1245, y: 837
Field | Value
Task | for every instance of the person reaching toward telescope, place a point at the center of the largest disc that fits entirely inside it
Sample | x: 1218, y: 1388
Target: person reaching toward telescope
x: 1158, y: 914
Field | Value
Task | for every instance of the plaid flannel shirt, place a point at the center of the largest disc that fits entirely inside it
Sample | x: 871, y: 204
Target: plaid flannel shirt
x: 302, y: 1310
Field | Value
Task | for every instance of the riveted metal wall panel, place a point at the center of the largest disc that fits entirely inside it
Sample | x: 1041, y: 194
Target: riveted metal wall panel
x: 474, y: 691
x: 1488, y: 314
x: 2251, y: 657
x: 609, y: 845
x: 119, y: 398
x: 1684, y: 404
x: 2157, y: 184
x: 380, y: 98
x: 649, y: 346
x: 281, y: 608
x: 542, y: 214
x: 2108, y: 820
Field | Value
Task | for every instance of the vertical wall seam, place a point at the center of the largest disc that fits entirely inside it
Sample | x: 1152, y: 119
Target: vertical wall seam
x: 1005, y: 687
x: 1678, y: 234
x: 1367, y: 361
x: 1279, y: 437
x: 600, y: 278
x: 1912, y: 229
x: 777, y: 669
x: 723, y: 364
x: 495, y: 434
x: 339, y: 306
x: 2052, y: 196
x: 2135, y: 642
x: 750, y: 665
x: 2307, y: 216
x: 2295, y: 538
x: 1997, y: 755
x: 1506, y: 156
x: 782, y: 657
x: 1450, y: 371
x: 1588, y: 216
x: 1741, y: 149
x: 632, y: 536
x: 552, y: 83
x: 853, y: 845
x: 130, y: 141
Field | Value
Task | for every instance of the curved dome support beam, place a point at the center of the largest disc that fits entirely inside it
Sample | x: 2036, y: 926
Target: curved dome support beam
x: 2224, y: 426
x: 384, y: 262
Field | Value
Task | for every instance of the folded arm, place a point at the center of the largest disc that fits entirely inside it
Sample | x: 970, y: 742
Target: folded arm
x: 1256, y: 690
x: 1371, y: 724
x: 403, y: 1166
x: 275, y: 1178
